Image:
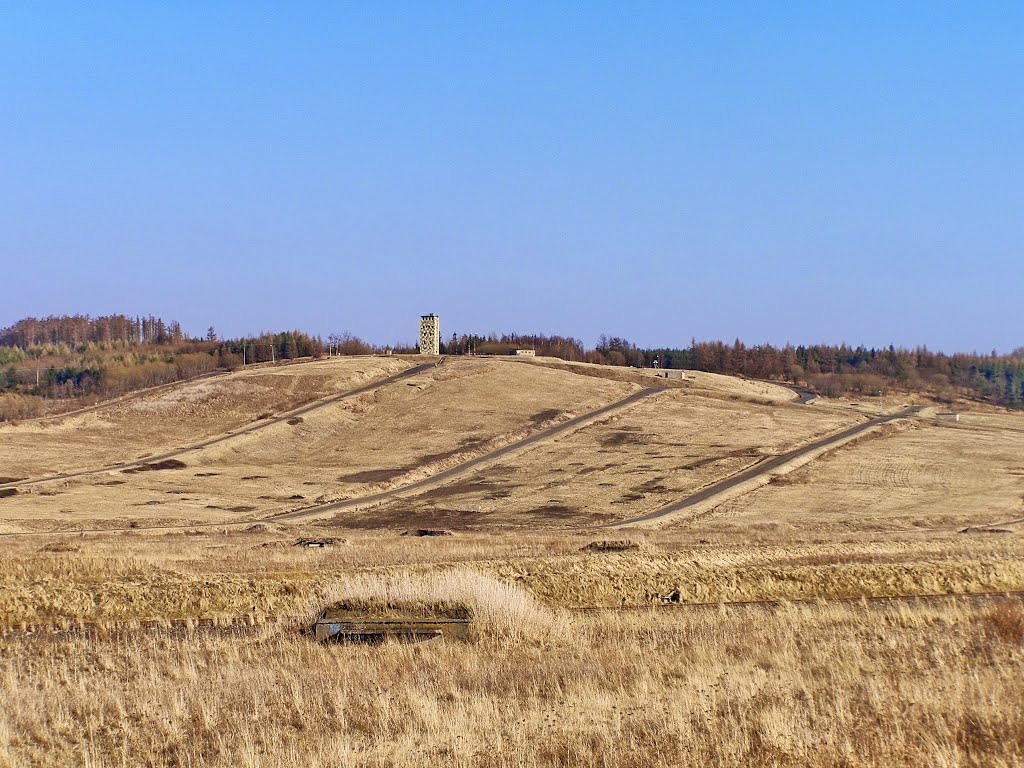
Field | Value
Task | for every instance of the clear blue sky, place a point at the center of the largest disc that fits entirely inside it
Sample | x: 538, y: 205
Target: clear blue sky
x: 768, y: 171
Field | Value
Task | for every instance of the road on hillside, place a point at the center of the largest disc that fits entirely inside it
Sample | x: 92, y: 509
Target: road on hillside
x: 764, y: 467
x: 261, y: 424
x: 448, y: 474
x: 803, y: 395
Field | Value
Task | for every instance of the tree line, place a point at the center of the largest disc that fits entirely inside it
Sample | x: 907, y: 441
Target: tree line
x: 832, y: 370
x: 840, y: 369
x: 74, y: 330
x: 77, y: 357
x: 564, y: 347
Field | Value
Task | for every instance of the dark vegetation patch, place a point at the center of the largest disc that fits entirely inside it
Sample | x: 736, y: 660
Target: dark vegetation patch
x: 548, y: 415
x: 295, y: 421
x: 985, y: 529
x: 152, y: 503
x: 623, y: 436
x: 5, y: 480
x: 373, y: 475
x: 651, y: 486
x: 241, y: 508
x: 256, y: 477
x: 458, y: 489
x: 8, y: 492
x: 503, y: 493
x: 156, y: 466
x: 60, y: 546
x: 112, y: 482
x: 628, y: 497
x: 739, y: 453
x: 559, y: 511
x: 262, y: 416
x: 402, y: 517
x: 426, y: 532
x: 469, y: 444
x: 589, y: 470
x: 612, y: 545
x: 207, y: 474
x: 1004, y: 622
x: 293, y: 497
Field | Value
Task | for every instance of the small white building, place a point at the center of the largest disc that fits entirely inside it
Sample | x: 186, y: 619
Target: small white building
x: 525, y: 353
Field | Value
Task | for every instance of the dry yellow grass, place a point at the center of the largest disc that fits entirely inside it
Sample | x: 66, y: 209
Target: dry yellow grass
x: 922, y: 476
x: 125, y: 431
x: 183, y: 647
x: 235, y: 576
x: 660, y: 450
x: 808, y: 686
x: 696, y: 382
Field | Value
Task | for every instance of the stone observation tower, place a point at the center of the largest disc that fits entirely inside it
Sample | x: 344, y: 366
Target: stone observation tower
x: 430, y: 335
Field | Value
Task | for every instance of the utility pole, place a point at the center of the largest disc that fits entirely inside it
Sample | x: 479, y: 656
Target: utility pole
x: 243, y: 355
x: 271, y: 354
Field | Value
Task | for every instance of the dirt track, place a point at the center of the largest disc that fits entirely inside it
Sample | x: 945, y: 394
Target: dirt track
x: 765, y: 467
x: 448, y: 474
x: 372, y: 499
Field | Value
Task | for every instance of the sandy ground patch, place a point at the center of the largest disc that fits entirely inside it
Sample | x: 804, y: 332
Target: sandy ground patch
x: 126, y: 431
x: 924, y: 476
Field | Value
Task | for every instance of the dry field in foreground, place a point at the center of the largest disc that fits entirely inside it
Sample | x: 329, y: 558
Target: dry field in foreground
x: 112, y: 578
x: 808, y: 685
